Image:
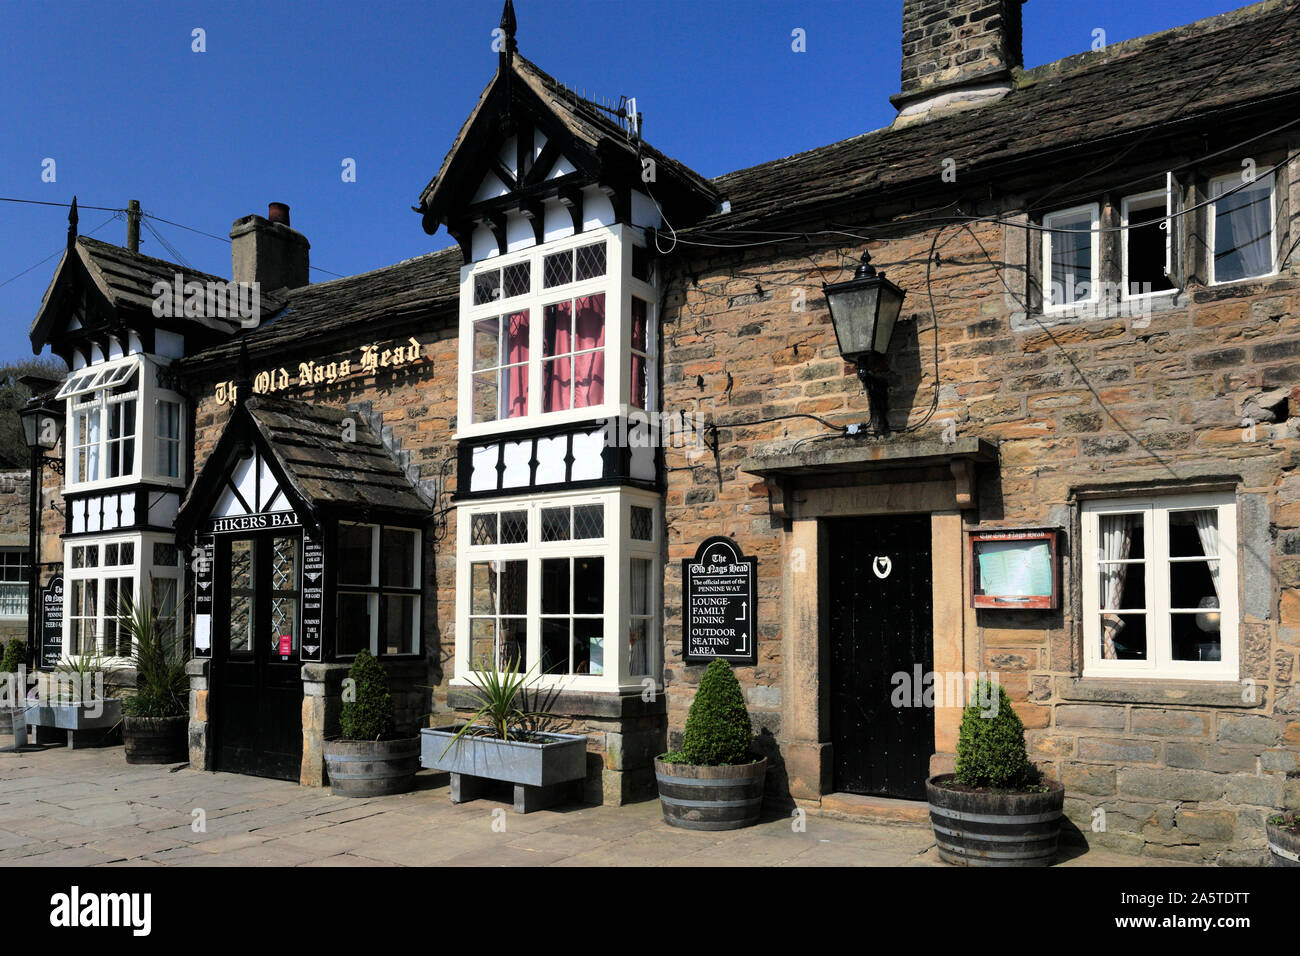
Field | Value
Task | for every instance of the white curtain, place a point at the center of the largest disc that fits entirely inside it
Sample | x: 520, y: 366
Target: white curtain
x: 1243, y: 232
x: 1207, y: 526
x: 1116, y: 540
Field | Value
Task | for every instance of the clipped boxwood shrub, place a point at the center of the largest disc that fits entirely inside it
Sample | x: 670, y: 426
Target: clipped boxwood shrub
x: 15, y: 654
x: 991, y: 750
x: 718, y: 731
x: 370, y: 715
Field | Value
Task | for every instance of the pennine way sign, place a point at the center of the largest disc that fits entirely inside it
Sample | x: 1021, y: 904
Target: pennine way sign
x: 720, y: 600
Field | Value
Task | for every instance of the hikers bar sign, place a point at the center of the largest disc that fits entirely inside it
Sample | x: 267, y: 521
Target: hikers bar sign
x: 720, y: 596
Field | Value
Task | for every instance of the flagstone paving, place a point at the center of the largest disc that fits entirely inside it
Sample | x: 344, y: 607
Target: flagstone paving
x: 61, y: 807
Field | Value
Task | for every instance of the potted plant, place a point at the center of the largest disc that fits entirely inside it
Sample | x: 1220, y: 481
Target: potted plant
x: 996, y: 810
x: 73, y: 699
x: 15, y: 655
x: 368, y: 759
x: 1284, y: 838
x: 156, y: 726
x: 504, y: 741
x: 714, y: 782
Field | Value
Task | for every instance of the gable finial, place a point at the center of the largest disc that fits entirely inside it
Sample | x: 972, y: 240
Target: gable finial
x: 508, y: 26
x: 72, y: 223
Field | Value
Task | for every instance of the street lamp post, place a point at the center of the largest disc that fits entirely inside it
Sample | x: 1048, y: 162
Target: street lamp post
x: 42, y: 428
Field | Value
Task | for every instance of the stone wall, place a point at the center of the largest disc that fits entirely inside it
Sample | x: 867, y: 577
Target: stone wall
x: 1180, y: 771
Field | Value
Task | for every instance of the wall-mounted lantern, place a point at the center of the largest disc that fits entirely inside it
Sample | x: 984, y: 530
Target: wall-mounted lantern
x: 864, y: 310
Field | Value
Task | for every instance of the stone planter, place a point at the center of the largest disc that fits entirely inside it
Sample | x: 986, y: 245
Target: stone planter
x: 1283, y: 845
x: 561, y: 759
x: 979, y: 828
x: 372, y: 768
x: 86, y: 726
x: 156, y: 739
x: 711, y: 798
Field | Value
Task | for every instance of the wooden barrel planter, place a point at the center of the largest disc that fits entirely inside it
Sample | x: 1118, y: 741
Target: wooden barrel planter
x: 1283, y: 845
x: 372, y: 768
x: 156, y: 739
x: 711, y: 798
x: 978, y: 828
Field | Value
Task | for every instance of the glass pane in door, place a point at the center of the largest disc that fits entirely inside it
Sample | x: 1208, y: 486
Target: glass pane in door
x: 284, y: 596
x: 241, y: 596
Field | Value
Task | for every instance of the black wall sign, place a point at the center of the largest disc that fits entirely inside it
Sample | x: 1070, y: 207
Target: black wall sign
x: 720, y: 604
x: 203, y: 560
x: 52, y: 622
x: 313, y: 593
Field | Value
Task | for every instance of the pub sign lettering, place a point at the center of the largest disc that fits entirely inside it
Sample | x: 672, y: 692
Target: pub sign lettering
x: 720, y: 604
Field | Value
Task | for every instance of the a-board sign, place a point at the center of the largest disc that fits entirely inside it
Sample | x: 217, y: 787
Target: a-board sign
x: 1015, y: 568
x: 720, y: 604
x: 52, y: 622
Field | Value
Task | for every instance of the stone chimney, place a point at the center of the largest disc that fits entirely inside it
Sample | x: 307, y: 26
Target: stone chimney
x: 957, y: 54
x: 268, y: 251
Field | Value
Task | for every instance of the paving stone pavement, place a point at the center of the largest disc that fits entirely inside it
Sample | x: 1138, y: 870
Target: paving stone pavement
x: 61, y: 807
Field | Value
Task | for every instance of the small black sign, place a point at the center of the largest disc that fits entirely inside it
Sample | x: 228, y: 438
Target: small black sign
x: 52, y: 622
x: 204, y: 553
x: 313, y: 594
x: 720, y: 604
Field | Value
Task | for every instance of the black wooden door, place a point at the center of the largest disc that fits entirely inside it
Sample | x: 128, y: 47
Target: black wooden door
x: 257, y: 688
x: 881, y: 631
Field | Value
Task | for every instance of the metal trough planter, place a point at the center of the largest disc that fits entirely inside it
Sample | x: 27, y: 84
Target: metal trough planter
x: 86, y: 725
x: 372, y: 768
x: 560, y: 759
x: 980, y: 828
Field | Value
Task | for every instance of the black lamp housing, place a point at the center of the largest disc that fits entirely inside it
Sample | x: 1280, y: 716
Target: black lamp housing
x: 864, y: 310
x: 42, y: 425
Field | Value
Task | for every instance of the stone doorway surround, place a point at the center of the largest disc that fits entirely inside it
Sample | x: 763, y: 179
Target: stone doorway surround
x: 807, y: 490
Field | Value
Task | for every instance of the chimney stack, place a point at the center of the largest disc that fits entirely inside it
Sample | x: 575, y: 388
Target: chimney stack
x: 957, y: 55
x: 268, y: 251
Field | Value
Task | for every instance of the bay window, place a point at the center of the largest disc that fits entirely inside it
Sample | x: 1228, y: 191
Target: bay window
x: 560, y: 332
x: 562, y: 585
x: 1160, y: 587
x: 105, y: 577
x: 114, y: 408
x: 378, y: 593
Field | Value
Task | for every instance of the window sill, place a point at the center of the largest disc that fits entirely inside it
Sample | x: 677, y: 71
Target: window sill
x: 604, y: 702
x: 1136, y: 690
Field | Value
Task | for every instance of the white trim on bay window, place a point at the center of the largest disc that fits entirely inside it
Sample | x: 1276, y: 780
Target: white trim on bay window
x: 98, y: 571
x: 124, y: 426
x: 552, y: 576
x: 617, y: 285
x: 1159, y: 587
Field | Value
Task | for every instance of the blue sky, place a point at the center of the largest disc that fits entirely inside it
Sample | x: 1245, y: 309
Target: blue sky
x: 114, y: 94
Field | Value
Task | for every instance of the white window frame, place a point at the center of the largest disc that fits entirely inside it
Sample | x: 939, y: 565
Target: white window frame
x: 84, y: 394
x: 617, y: 547
x: 1094, y: 213
x: 618, y: 286
x: 1140, y: 201
x: 22, y: 586
x: 1212, y: 213
x: 1159, y: 664
x: 377, y: 590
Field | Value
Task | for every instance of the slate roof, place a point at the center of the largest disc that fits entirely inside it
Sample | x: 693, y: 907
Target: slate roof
x: 424, y: 287
x: 1240, y: 58
x: 127, y: 279
x: 324, y: 469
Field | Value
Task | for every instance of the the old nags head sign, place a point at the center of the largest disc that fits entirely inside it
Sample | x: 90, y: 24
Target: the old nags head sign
x: 720, y: 597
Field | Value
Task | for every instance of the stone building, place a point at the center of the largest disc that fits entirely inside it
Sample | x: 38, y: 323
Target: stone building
x: 1072, y: 467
